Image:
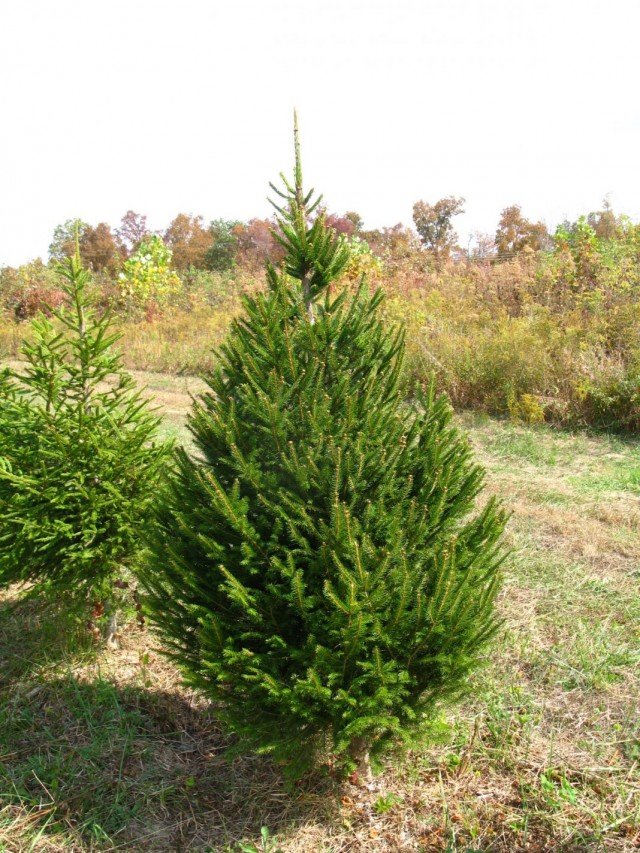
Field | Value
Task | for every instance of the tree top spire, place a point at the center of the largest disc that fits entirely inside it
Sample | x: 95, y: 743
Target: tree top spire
x: 298, y: 160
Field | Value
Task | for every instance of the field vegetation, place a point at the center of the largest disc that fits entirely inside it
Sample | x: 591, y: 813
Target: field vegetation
x: 539, y: 327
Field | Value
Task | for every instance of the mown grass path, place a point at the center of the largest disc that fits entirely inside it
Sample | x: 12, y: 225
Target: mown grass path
x: 105, y: 751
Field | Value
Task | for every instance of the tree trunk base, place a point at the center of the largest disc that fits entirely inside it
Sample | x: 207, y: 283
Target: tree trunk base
x: 360, y: 754
x: 113, y: 642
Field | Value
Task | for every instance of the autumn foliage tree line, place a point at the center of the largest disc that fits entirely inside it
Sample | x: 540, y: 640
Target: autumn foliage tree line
x: 224, y: 244
x: 537, y: 325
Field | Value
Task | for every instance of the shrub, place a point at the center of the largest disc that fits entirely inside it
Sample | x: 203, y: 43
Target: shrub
x: 80, y: 459
x: 147, y: 277
x: 29, y: 289
x: 612, y: 399
x: 362, y: 261
x: 316, y: 568
x: 221, y: 256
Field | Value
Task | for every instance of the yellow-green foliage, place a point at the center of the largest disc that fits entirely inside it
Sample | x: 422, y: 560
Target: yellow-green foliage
x: 362, y: 261
x: 147, y: 276
x: 526, y: 408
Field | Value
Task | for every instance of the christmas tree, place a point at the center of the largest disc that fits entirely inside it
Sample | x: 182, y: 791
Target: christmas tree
x: 317, y: 568
x: 79, y: 459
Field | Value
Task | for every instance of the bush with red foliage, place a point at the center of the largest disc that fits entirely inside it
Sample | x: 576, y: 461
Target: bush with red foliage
x: 257, y: 244
x: 36, y: 299
x: 340, y: 224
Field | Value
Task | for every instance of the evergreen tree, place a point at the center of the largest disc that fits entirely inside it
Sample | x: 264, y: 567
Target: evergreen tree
x: 80, y: 459
x: 316, y: 569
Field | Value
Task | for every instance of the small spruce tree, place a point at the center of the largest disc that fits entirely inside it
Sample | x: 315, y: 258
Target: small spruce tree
x: 316, y: 568
x: 80, y: 458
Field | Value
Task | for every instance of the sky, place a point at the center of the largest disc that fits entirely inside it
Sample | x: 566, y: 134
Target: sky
x: 168, y: 107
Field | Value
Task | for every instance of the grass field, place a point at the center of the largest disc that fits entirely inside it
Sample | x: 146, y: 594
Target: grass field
x: 105, y: 751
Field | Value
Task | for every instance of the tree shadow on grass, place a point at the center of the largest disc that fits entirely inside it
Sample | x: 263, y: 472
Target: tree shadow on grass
x: 108, y: 767
x: 35, y: 636
x: 95, y: 764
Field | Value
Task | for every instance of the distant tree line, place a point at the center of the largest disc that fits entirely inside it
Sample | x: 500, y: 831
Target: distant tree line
x: 224, y: 243
x: 194, y: 244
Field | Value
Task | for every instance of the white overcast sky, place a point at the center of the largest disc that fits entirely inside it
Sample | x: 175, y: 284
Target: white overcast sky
x: 185, y: 106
